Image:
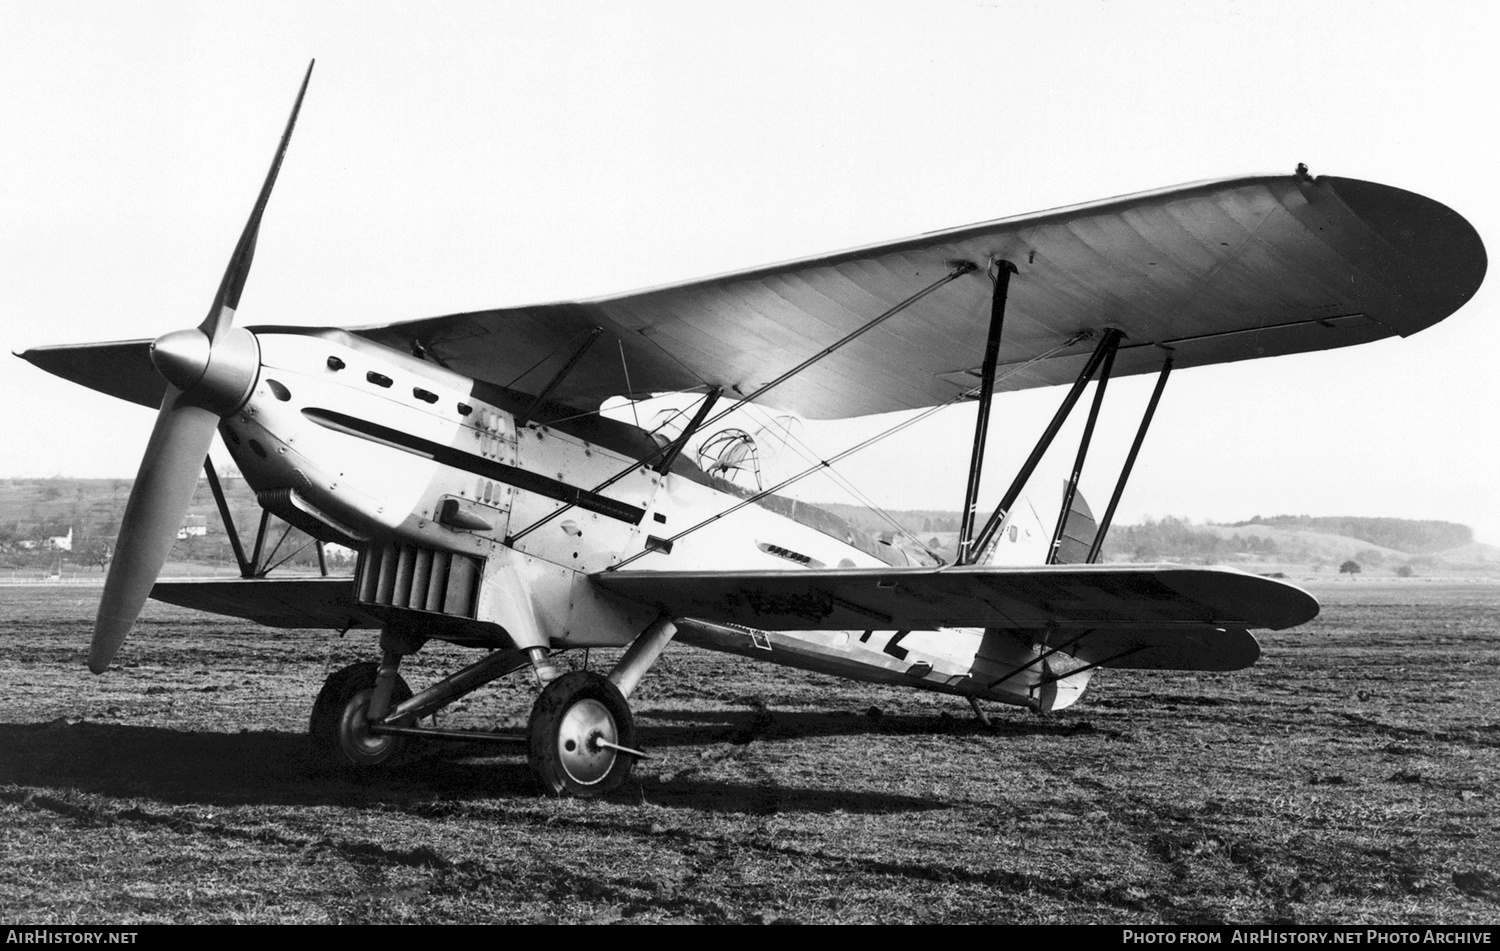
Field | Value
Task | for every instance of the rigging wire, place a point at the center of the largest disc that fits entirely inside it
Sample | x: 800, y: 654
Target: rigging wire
x: 628, y: 388
x: 676, y: 414
x: 633, y: 467
x: 840, y: 456
x: 957, y: 272
x: 847, y: 485
x: 567, y: 347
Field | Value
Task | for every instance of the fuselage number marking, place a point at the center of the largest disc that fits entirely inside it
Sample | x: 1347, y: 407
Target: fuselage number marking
x: 892, y: 646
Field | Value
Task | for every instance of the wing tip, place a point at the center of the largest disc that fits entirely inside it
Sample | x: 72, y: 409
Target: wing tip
x: 1442, y: 256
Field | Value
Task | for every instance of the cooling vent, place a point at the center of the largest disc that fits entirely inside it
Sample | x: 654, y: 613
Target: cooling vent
x: 420, y: 579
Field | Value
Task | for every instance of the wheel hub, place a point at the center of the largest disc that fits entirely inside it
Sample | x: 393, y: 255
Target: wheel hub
x: 578, y: 750
x: 360, y: 745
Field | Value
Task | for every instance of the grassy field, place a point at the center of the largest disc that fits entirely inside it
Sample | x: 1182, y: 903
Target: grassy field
x: 1350, y: 776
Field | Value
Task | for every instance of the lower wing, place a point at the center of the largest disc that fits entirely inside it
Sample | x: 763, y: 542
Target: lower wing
x: 306, y: 602
x: 1055, y: 597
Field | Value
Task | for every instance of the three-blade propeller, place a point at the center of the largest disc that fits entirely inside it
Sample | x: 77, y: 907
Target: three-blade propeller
x: 211, y: 371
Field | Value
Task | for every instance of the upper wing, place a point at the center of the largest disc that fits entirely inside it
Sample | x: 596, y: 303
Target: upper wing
x: 1212, y: 272
x: 1058, y: 597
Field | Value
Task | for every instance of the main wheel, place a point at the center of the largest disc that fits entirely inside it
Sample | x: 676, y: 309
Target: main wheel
x: 339, y: 725
x: 574, y: 713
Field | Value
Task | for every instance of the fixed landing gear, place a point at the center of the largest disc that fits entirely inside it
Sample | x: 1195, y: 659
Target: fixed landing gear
x: 580, y: 740
x: 340, y: 723
x: 581, y: 737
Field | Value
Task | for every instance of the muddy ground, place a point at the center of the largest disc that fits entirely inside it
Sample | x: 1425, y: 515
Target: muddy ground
x: 1350, y: 776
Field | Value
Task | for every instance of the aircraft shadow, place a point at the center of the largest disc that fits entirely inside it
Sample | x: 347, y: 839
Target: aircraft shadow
x: 121, y: 761
x: 674, y: 727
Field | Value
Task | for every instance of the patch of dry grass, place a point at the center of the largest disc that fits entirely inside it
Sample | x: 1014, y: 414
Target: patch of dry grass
x: 1350, y: 776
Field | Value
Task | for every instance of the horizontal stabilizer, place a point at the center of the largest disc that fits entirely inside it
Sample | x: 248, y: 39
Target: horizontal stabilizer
x: 1060, y: 597
x: 1189, y: 648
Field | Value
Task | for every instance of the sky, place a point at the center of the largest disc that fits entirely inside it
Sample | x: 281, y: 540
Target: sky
x: 463, y: 156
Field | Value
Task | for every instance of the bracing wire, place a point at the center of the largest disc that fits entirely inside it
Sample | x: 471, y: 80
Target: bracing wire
x: 598, y: 488
x: 572, y: 341
x: 843, y: 481
x: 628, y: 388
x: 848, y: 485
x: 844, y: 454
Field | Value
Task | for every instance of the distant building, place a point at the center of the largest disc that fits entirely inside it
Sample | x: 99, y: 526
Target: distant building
x: 193, y: 525
x: 61, y: 542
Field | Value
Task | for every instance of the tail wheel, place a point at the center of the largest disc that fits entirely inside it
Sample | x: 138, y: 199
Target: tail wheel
x: 577, y: 726
x: 339, y: 726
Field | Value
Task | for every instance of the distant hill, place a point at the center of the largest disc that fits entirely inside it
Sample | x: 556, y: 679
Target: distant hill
x: 1401, y: 534
x: 1303, y: 540
x: 1286, y: 540
x: 923, y: 522
x: 34, y: 510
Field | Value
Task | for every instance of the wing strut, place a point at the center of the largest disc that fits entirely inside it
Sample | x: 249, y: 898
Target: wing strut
x: 957, y: 270
x: 250, y: 566
x: 1107, y: 344
x: 680, y: 443
x: 247, y: 569
x: 1135, y: 448
x: 1083, y: 445
x: 559, y: 376
x: 709, y: 399
x: 1004, y: 269
x: 666, y: 546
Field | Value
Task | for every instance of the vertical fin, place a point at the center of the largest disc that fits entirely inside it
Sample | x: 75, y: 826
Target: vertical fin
x: 1078, y: 533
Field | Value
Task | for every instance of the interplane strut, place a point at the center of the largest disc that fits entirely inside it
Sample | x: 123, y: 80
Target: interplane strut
x: 1004, y: 269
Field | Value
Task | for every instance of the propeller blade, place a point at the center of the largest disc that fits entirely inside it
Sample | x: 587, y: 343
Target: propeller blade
x: 207, y: 375
x: 158, y: 501
x: 221, y: 315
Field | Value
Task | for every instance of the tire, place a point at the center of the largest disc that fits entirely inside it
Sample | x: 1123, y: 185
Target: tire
x: 337, y: 725
x: 573, y: 710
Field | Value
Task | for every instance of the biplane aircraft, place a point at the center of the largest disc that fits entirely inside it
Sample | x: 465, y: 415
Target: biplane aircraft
x: 495, y: 507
